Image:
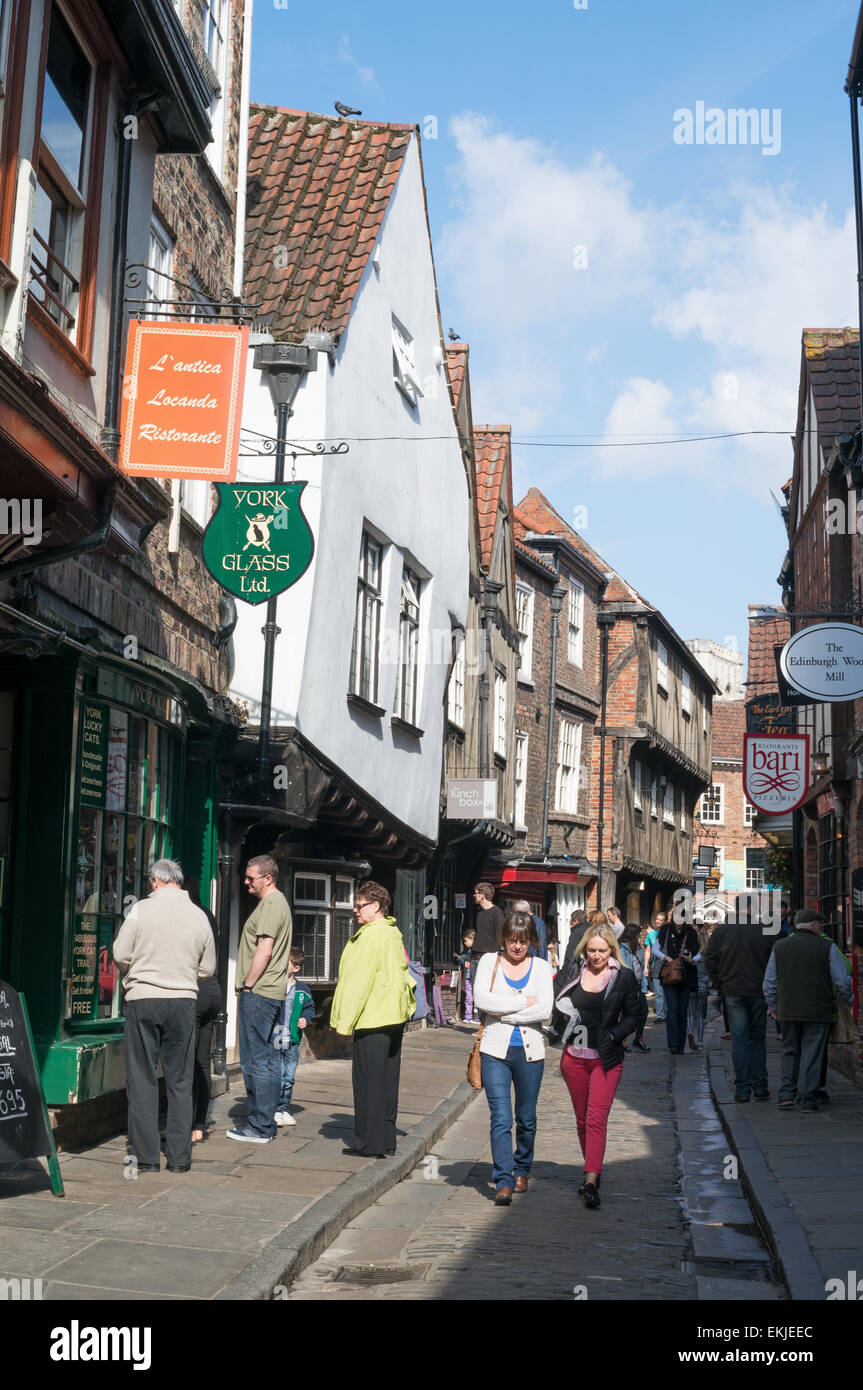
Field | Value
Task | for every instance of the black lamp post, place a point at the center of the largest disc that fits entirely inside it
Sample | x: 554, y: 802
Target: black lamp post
x: 284, y: 365
x: 491, y: 590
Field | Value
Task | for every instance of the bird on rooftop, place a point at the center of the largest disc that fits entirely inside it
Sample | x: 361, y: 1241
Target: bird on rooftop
x: 453, y: 336
x: 347, y: 110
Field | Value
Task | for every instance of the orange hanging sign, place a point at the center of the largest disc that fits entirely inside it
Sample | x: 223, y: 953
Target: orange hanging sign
x: 183, y: 400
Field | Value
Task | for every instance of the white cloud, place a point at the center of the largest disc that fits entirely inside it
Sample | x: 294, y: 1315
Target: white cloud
x: 514, y: 253
x: 736, y: 289
x: 346, y: 55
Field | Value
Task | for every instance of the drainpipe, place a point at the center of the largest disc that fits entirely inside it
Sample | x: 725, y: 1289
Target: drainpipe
x: 853, y: 86
x: 488, y: 612
x: 556, y: 602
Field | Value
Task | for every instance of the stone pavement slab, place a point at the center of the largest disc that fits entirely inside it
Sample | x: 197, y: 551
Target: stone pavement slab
x: 804, y: 1172
x: 244, y: 1214
x: 546, y: 1245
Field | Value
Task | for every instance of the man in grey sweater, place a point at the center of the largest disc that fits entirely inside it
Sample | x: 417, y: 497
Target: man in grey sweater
x: 164, y: 947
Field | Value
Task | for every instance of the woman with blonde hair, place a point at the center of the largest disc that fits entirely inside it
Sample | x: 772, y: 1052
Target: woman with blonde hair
x: 602, y: 1004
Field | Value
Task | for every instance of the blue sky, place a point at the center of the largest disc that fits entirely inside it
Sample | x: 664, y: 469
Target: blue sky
x: 615, y: 285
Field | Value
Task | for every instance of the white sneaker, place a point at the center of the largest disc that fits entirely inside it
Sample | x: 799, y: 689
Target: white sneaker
x: 284, y: 1117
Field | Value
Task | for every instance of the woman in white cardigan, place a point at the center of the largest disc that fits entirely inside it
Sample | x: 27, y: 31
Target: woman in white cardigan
x: 514, y: 992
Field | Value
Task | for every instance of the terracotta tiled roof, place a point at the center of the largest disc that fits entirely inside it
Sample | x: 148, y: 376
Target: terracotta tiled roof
x: 456, y: 366
x: 729, y: 726
x: 535, y: 513
x: 764, y: 634
x: 317, y: 192
x: 832, y: 358
x: 493, y: 471
x: 523, y: 549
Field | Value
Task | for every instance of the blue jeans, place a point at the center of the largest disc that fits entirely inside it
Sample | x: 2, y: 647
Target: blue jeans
x: 676, y: 1013
x: 498, y: 1078
x: 747, y: 1024
x: 290, y: 1057
x: 260, y: 1060
x: 658, y: 997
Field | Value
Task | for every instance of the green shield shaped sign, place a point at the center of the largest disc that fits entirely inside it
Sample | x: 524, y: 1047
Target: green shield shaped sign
x: 258, y: 543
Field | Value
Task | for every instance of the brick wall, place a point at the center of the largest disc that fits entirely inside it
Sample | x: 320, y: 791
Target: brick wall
x: 196, y: 206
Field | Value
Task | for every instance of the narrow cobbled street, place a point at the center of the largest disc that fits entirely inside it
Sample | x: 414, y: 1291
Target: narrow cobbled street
x: 671, y: 1226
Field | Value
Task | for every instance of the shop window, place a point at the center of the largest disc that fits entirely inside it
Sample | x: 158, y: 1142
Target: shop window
x: 323, y: 921
x: 128, y: 781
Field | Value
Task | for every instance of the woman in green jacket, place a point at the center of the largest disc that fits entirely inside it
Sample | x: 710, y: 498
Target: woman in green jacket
x: 374, y: 998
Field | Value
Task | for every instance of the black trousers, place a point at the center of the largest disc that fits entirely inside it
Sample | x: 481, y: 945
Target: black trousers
x: 209, y: 1004
x: 160, y: 1029
x: 376, y: 1066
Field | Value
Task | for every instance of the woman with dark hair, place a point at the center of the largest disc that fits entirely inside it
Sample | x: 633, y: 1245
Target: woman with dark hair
x: 374, y: 998
x: 631, y: 953
x: 515, y: 995
x: 677, y: 952
x: 603, y: 1006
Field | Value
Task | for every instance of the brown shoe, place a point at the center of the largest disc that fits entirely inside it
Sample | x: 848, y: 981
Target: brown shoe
x: 503, y: 1197
x: 521, y: 1184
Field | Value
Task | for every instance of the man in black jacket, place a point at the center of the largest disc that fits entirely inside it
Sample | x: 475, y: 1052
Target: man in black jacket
x: 736, y: 959
x: 487, y: 924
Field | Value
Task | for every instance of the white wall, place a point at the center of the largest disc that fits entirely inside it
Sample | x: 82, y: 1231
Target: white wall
x: 413, y: 493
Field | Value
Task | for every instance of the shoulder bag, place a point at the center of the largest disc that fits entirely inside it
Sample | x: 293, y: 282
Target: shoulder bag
x: 671, y: 971
x: 474, y: 1061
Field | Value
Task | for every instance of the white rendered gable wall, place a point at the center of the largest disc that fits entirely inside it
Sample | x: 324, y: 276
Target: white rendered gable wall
x: 412, y: 494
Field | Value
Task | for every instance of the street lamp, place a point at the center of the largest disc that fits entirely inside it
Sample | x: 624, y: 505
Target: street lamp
x: 489, y: 606
x: 284, y: 365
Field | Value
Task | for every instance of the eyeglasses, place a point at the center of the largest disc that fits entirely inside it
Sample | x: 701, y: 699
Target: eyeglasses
x: 358, y: 907
x: 255, y: 878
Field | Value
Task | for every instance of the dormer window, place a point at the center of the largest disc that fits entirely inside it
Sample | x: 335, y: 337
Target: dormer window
x: 404, y: 367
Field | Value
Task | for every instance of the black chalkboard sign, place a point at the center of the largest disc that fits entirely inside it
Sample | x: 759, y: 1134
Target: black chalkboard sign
x: 25, y: 1131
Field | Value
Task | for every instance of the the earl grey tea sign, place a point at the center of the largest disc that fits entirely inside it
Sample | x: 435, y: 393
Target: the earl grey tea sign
x: 825, y: 661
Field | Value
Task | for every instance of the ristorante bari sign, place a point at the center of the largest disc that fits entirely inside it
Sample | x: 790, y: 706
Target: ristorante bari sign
x: 258, y: 542
x: 183, y: 400
x: 775, y: 771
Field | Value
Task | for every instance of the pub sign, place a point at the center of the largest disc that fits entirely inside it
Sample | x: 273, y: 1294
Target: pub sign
x: 258, y: 543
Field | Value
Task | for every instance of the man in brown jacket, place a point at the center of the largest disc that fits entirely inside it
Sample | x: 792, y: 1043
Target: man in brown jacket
x: 164, y: 947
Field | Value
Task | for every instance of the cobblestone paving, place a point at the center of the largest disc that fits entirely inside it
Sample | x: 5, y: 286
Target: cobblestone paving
x: 438, y: 1235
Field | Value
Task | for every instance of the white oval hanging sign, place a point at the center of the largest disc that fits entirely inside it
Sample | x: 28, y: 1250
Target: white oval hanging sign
x: 825, y: 662
x: 775, y: 771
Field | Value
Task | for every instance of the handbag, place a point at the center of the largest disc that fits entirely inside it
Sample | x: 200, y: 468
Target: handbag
x: 671, y: 972
x: 844, y: 1029
x: 474, y: 1061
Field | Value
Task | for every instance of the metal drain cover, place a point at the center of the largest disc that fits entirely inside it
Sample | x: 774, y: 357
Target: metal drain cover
x: 380, y: 1274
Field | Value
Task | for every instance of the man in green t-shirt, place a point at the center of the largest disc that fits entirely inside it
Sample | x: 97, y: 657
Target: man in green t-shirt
x: 262, y: 970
